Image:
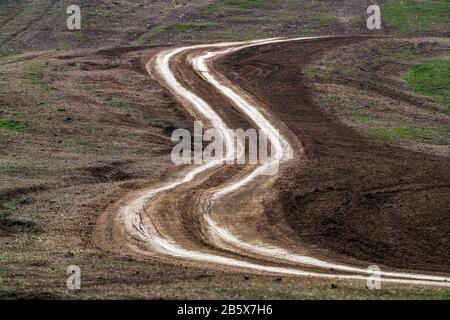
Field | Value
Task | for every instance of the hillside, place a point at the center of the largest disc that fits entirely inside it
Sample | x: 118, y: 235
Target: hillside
x: 83, y: 125
x: 41, y: 24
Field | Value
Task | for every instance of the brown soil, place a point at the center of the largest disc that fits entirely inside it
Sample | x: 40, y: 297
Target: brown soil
x: 348, y: 194
x: 54, y: 225
x: 344, y: 198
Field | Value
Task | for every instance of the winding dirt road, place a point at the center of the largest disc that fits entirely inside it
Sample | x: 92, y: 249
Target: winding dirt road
x: 187, y: 220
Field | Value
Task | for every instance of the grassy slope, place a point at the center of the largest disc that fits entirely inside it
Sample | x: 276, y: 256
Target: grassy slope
x: 50, y: 119
x: 49, y: 230
x: 249, y: 19
x: 413, y: 74
x: 143, y: 23
x: 162, y: 22
x: 417, y: 16
x: 432, y: 79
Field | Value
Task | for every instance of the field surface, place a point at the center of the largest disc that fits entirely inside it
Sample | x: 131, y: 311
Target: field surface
x: 85, y: 125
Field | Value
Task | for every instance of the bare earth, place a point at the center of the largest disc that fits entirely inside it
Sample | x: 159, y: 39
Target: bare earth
x: 89, y: 128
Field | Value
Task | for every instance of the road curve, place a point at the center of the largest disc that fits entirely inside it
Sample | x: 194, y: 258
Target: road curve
x: 231, y: 248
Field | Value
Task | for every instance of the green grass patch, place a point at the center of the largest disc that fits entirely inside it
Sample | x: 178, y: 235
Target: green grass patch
x: 12, y: 125
x: 305, y: 33
x: 403, y: 55
x: 231, y: 35
x: 417, y: 15
x: 80, y: 36
x: 36, y: 75
x: 325, y: 19
x: 186, y: 26
x: 154, y: 32
x: 120, y: 105
x: 361, y: 117
x: 246, y: 4
x: 245, y: 19
x: 313, y: 14
x: 105, y: 154
x: 289, y: 16
x: 393, y: 57
x: 432, y: 79
x: 11, y: 53
x: 318, y: 74
x: 224, y: 7
x: 15, y: 114
x: 356, y: 20
x: 146, y: 38
x: 392, y: 134
x: 5, y: 168
x: 7, y: 207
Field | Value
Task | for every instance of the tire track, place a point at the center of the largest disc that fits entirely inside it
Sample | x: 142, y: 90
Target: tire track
x: 139, y: 222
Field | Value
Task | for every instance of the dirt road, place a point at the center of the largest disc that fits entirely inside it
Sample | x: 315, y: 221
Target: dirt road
x: 205, y: 215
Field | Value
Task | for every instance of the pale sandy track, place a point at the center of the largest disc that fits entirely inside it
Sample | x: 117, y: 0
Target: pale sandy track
x: 141, y: 224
